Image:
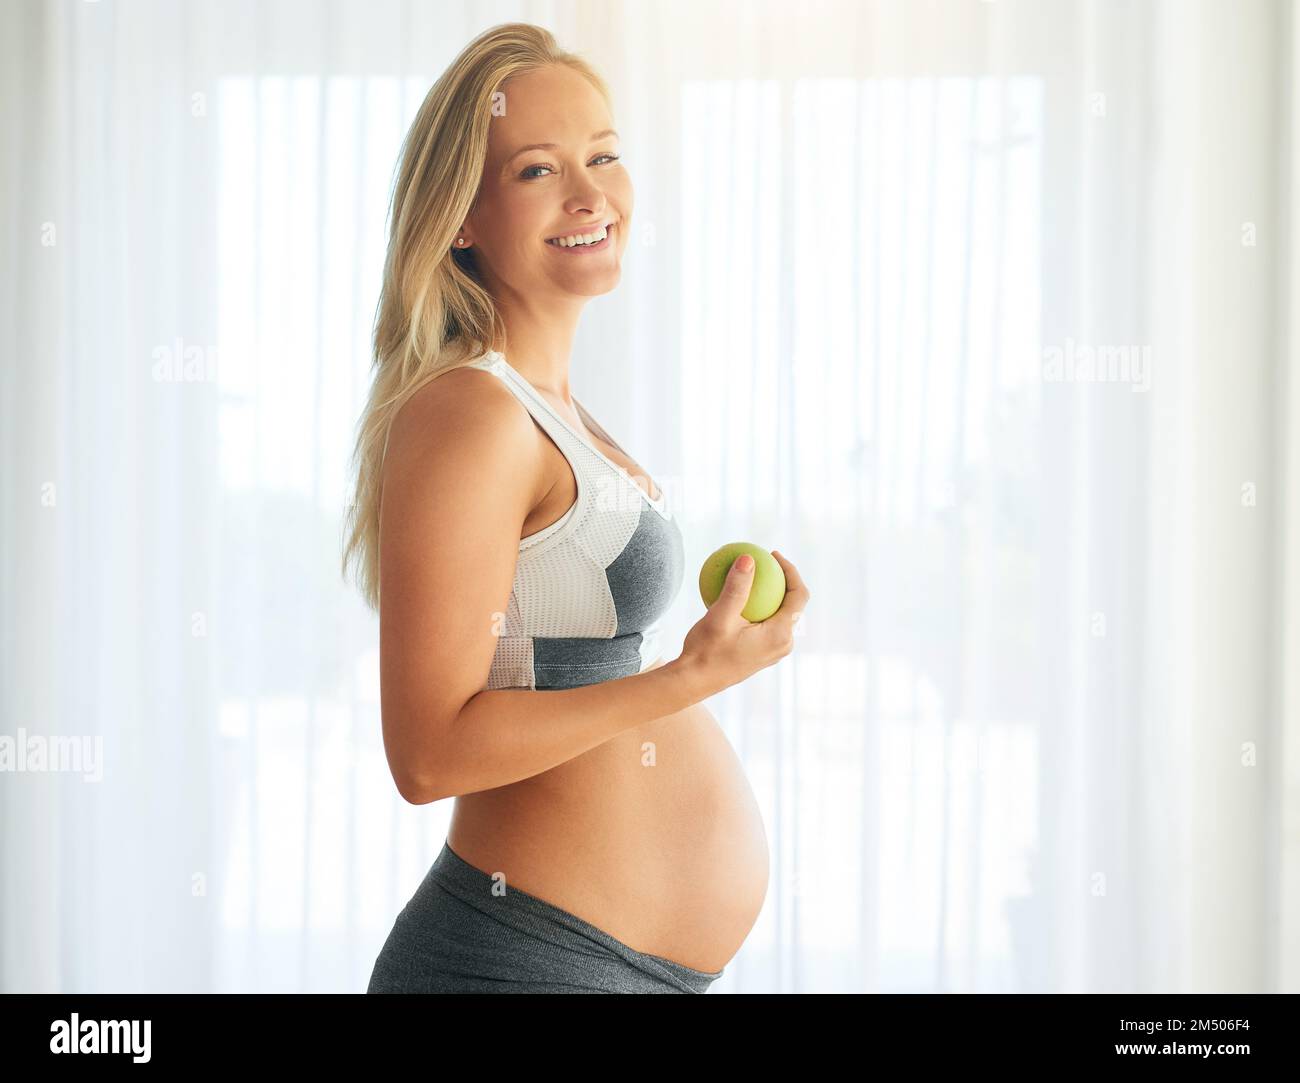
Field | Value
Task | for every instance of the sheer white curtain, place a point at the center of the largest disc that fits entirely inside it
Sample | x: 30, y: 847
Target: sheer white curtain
x: 979, y: 311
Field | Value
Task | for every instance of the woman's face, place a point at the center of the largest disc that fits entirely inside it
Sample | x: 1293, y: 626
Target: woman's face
x: 530, y: 196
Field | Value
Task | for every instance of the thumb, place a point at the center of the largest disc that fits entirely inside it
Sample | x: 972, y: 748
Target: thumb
x: 735, y: 591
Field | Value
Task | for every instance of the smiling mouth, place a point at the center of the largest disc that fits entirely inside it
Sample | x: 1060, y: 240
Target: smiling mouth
x: 602, y: 243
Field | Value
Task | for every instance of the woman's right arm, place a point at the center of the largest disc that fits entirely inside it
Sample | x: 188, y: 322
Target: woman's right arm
x: 461, y: 474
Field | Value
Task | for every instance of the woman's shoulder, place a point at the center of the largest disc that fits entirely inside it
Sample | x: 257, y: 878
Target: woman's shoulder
x: 465, y: 413
x: 465, y: 398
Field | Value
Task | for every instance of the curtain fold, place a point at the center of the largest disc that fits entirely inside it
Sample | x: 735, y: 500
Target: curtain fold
x: 980, y: 312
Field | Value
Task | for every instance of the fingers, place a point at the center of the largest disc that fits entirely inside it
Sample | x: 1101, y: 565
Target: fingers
x: 794, y: 584
x: 796, y: 598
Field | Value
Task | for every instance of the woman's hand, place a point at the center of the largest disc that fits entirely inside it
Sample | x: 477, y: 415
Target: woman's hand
x: 724, y: 648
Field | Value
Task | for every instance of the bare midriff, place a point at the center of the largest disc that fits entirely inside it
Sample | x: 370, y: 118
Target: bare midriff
x: 654, y: 836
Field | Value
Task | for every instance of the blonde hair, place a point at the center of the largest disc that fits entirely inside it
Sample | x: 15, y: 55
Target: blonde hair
x: 434, y: 313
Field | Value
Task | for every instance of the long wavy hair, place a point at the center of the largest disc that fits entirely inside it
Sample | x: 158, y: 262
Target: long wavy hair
x: 434, y: 312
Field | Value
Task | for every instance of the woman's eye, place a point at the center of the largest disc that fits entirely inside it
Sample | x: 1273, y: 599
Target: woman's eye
x: 528, y: 173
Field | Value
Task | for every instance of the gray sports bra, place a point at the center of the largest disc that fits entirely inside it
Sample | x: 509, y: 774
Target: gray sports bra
x: 589, y: 590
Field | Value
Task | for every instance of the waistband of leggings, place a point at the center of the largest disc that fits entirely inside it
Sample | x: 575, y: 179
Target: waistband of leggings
x: 473, y: 885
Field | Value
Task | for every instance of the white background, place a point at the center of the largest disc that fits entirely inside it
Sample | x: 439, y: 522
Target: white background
x: 1039, y: 732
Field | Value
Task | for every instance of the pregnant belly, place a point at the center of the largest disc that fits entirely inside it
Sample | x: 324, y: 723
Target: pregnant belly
x: 654, y: 837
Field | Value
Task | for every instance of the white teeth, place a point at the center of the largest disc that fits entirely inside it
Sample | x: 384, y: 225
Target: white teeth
x: 582, y: 238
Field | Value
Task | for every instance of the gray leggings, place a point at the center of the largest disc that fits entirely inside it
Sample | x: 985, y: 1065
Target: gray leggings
x: 456, y: 936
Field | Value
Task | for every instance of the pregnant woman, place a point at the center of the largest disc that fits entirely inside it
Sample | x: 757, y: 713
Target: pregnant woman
x: 604, y: 837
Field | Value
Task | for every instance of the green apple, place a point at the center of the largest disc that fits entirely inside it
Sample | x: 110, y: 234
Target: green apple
x: 766, y: 591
